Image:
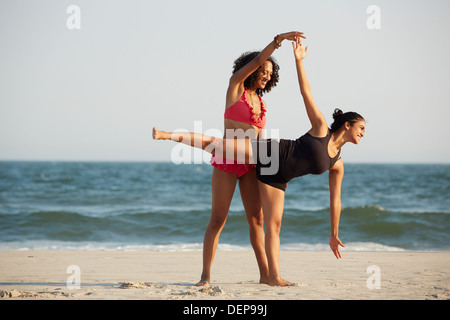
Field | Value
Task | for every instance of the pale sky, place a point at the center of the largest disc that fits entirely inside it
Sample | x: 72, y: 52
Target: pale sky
x: 94, y: 93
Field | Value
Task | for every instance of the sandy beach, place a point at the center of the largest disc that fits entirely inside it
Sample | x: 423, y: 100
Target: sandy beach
x: 171, y: 275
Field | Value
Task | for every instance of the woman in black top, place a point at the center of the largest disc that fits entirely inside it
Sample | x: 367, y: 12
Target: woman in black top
x: 278, y: 161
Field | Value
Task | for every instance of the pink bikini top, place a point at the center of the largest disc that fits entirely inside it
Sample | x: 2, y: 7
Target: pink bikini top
x: 242, y: 111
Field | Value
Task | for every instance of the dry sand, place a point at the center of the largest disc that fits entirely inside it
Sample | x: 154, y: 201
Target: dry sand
x: 171, y: 275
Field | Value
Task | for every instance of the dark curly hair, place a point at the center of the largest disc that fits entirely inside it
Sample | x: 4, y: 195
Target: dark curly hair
x: 248, y: 83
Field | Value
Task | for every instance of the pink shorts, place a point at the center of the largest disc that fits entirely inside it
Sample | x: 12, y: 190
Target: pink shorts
x: 238, y: 168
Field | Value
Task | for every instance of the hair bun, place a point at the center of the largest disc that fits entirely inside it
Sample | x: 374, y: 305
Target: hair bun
x: 340, y: 118
x: 337, y: 112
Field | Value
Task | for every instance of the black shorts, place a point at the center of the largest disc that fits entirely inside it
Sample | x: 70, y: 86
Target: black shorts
x: 269, y: 161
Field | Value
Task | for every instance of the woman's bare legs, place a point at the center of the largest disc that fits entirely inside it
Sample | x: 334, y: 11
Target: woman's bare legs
x: 248, y: 186
x: 272, y: 200
x: 237, y: 149
x: 192, y: 139
x: 223, y: 185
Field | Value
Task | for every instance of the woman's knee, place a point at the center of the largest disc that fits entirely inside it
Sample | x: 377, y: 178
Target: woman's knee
x: 273, y: 227
x: 256, y: 219
x: 216, y: 222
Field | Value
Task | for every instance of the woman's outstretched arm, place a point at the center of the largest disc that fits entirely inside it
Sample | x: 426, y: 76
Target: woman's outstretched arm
x: 318, y: 122
x: 336, y: 174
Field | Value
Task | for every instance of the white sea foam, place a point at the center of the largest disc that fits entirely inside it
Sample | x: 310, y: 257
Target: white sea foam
x: 350, y: 246
x: 90, y: 246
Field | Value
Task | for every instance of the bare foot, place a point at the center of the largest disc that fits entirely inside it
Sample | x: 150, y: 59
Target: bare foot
x: 203, y: 283
x: 264, y: 280
x: 279, y: 283
x: 156, y: 135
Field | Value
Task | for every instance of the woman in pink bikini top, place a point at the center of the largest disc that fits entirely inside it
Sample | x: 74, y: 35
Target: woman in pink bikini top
x: 254, y: 73
x: 242, y: 111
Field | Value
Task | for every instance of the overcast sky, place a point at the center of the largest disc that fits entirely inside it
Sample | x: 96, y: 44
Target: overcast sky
x: 94, y: 93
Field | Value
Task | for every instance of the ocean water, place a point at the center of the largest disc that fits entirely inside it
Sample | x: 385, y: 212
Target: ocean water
x: 163, y: 206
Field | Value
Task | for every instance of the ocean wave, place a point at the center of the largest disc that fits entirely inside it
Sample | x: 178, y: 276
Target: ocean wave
x: 367, y: 224
x: 163, y: 206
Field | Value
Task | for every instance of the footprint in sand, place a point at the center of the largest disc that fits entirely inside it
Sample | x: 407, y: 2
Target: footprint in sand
x: 194, y: 291
x: 139, y: 285
x: 27, y: 294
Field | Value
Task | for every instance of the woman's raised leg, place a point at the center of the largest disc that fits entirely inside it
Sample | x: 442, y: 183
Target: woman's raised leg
x: 233, y: 149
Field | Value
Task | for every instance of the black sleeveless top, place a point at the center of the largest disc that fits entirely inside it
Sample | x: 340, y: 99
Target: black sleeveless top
x: 306, y: 155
